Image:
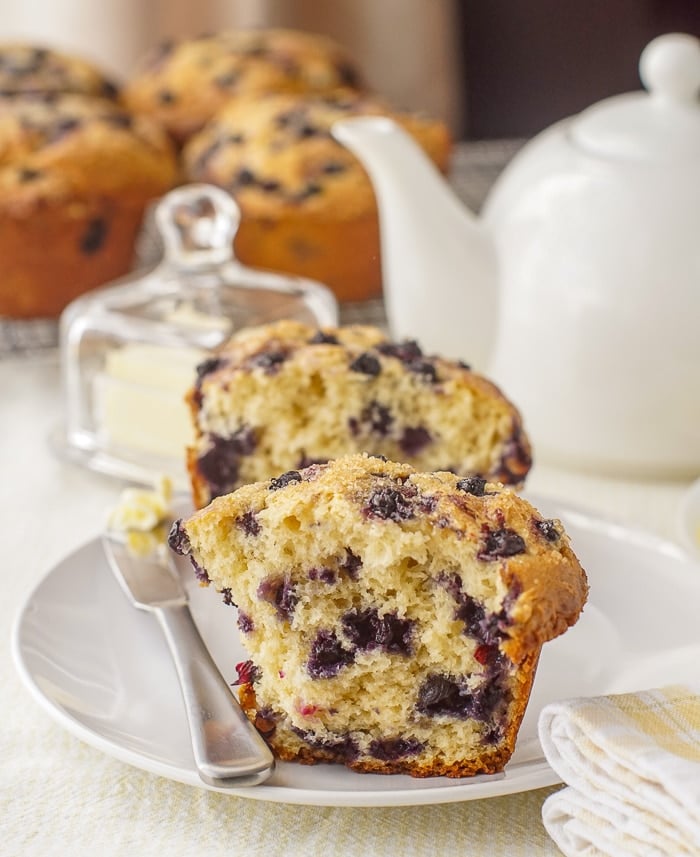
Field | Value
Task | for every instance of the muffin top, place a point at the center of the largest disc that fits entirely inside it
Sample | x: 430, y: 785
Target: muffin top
x: 184, y: 83
x: 54, y: 146
x: 498, y: 543
x: 277, y: 153
x: 29, y: 69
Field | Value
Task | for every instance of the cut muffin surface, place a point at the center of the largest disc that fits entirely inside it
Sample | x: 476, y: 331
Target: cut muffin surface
x: 285, y: 395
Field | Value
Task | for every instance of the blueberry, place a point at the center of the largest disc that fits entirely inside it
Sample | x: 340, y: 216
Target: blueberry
x: 407, y: 351
x: 515, y: 461
x: 199, y: 572
x: 94, y: 236
x: 285, y: 479
x: 281, y: 593
x: 332, y: 168
x: 306, y: 130
x: 270, y: 361
x: 325, y: 575
x: 347, y: 75
x: 377, y: 417
x: 342, y: 747
x: 119, y: 120
x: 548, y: 529
x: 244, y: 178
x: 62, y: 127
x: 220, y: 464
x: 351, y: 564
x: 471, y: 612
x: 249, y: 523
x: 178, y: 540
x: 442, y: 695
x: 208, y: 366
x: 390, y: 749
x: 322, y: 338
x: 424, y: 368
x: 27, y: 174
x: 367, y: 630
x: 245, y: 623
x: 501, y: 543
x: 227, y: 597
x: 327, y: 656
x: 388, y: 504
x: 311, y: 189
x: 472, y: 485
x: 414, y: 440
x: 227, y: 80
x: 367, y: 364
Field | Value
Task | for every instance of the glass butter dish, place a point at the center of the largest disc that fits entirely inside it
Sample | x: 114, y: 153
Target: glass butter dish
x: 129, y: 350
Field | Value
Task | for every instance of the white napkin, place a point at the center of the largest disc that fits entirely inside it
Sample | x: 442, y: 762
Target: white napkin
x: 632, y: 766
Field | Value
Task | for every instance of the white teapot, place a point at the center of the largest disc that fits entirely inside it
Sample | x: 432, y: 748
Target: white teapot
x: 578, y: 291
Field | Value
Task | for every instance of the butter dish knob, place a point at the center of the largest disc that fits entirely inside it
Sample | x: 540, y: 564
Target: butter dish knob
x: 197, y: 223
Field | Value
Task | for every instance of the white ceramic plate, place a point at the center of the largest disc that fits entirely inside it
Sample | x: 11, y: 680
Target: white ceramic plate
x: 102, y: 670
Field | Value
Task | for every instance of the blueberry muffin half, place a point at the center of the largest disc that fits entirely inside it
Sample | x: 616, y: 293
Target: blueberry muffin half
x: 393, y: 618
x: 307, y: 204
x: 284, y: 395
x: 184, y: 83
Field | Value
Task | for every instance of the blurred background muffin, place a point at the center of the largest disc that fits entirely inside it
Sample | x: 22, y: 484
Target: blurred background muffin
x: 76, y: 174
x: 183, y: 83
x: 31, y: 69
x: 307, y: 205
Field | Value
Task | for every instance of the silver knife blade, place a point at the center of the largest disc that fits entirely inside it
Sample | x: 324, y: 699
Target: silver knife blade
x: 228, y: 750
x: 148, y: 581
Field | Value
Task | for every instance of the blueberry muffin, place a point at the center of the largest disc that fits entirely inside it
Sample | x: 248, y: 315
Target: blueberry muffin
x: 284, y: 395
x: 76, y: 174
x: 184, y: 83
x: 393, y: 618
x: 29, y: 70
x: 307, y: 204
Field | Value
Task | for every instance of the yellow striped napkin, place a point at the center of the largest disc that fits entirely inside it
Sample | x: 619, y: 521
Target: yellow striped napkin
x: 632, y: 766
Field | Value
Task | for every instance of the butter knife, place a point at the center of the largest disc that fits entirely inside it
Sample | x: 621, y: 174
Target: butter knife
x: 228, y: 751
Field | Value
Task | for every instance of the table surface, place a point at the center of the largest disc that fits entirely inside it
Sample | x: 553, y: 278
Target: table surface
x: 61, y: 796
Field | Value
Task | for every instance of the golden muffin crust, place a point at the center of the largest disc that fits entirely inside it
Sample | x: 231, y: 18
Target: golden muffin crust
x: 307, y: 204
x: 76, y: 174
x: 393, y: 618
x: 183, y: 83
x: 32, y: 69
x: 283, y: 395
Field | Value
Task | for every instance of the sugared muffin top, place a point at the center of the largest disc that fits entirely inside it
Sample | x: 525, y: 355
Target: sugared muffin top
x: 55, y: 145
x: 33, y: 69
x: 278, y: 151
x: 184, y: 83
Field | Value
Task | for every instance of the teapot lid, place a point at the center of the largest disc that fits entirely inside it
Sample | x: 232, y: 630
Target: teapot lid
x: 660, y: 125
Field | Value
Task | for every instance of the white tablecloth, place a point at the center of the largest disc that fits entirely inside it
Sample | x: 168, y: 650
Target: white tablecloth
x: 60, y: 796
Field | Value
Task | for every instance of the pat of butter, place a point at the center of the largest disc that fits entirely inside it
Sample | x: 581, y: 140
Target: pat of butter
x: 139, y: 398
x: 139, y: 395
x: 141, y: 516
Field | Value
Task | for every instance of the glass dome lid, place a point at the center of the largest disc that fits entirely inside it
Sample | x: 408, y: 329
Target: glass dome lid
x: 130, y: 349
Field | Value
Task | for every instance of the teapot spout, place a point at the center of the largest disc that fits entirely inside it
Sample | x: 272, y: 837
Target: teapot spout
x: 438, y: 261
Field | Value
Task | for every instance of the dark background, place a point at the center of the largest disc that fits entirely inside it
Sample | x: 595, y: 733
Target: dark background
x: 528, y: 63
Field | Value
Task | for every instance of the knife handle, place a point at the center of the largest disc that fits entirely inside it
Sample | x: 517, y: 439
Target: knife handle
x: 228, y: 750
